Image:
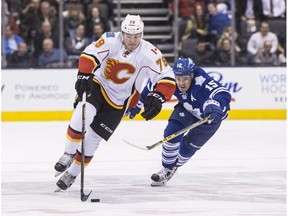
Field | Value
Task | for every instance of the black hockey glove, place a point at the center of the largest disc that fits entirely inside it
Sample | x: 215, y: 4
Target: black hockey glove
x: 83, y: 83
x: 212, y: 107
x: 76, y: 101
x: 153, y: 105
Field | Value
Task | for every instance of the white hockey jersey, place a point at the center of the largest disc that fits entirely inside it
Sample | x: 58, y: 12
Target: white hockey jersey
x: 120, y: 72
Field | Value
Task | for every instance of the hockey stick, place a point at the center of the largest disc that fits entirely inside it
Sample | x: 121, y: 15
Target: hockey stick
x: 84, y: 197
x: 184, y: 130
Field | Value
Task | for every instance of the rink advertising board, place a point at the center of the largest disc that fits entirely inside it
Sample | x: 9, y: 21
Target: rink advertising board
x: 37, y: 94
x: 29, y: 95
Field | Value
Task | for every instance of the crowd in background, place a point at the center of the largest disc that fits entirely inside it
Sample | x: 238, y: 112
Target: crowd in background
x: 31, y: 34
x: 205, y: 32
x: 31, y: 31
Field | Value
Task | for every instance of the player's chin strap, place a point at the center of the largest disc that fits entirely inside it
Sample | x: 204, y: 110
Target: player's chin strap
x: 184, y: 130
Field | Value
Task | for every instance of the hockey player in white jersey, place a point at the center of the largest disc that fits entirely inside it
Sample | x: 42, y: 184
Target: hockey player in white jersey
x: 111, y: 71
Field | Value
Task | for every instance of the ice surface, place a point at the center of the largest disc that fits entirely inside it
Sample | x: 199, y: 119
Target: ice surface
x: 240, y: 171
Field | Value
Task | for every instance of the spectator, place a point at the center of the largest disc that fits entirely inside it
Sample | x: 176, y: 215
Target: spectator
x: 73, y: 19
x: 187, y: 29
x: 74, y: 46
x: 223, y: 6
x: 274, y: 8
x: 11, y: 40
x: 29, y: 23
x: 264, y: 57
x: 186, y: 7
x: 20, y: 58
x: 227, y: 33
x: 10, y: 14
x: 50, y: 57
x: 98, y: 30
x: 282, y: 58
x: 106, y: 7
x: 46, y: 32
x: 14, y: 6
x: 55, y: 4
x: 248, y: 10
x: 13, y: 21
x: 202, y: 53
x: 201, y: 20
x: 96, y: 18
x: 216, y: 23
x: 48, y: 13
x: 223, y: 55
x: 248, y: 13
x: 196, y: 25
x: 256, y: 41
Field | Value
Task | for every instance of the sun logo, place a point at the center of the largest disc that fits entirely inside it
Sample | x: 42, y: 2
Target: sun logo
x: 117, y: 71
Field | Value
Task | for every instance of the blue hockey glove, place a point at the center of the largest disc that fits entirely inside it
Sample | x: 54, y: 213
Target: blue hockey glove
x: 153, y: 105
x: 132, y: 112
x: 212, y: 107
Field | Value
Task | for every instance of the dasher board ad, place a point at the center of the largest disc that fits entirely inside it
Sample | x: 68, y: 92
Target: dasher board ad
x: 51, y: 89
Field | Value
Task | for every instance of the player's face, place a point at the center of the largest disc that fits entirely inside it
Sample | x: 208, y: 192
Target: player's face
x: 183, y: 82
x: 131, y: 41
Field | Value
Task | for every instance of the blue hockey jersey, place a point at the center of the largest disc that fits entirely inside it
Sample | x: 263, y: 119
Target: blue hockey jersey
x: 203, y: 87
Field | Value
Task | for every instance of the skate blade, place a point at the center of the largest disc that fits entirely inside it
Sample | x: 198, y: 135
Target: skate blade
x: 158, y: 184
x: 58, y: 173
x: 58, y: 190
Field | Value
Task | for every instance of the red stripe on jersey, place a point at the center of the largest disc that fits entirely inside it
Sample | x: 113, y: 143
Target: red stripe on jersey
x: 74, y: 136
x: 134, y: 99
x: 166, y: 88
x: 86, y: 64
x: 77, y: 159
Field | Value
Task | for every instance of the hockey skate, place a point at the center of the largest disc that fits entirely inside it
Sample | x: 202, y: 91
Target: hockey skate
x: 163, y: 176
x: 64, y: 162
x: 65, y: 181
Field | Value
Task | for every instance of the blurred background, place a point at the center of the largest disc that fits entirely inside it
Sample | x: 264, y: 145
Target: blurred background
x: 241, y: 43
x: 211, y: 32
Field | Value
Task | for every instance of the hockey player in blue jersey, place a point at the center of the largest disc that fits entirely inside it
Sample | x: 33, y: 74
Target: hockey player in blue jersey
x: 199, y: 95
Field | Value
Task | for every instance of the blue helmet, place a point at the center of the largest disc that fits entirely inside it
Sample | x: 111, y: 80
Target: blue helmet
x: 183, y: 67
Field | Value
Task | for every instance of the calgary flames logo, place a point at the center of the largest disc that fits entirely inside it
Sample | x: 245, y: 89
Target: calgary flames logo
x: 114, y: 68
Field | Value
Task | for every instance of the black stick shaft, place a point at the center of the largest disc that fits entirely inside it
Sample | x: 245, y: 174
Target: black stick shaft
x: 84, y: 197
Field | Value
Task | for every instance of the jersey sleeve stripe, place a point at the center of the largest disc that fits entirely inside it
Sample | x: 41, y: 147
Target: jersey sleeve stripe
x: 216, y: 91
x: 172, y: 82
x: 92, y: 56
x: 168, y: 78
x: 166, y: 88
x: 88, y: 63
x: 133, y: 99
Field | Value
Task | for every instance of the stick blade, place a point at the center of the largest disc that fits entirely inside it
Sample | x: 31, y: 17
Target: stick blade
x: 58, y: 173
x: 135, y: 145
x: 84, y: 197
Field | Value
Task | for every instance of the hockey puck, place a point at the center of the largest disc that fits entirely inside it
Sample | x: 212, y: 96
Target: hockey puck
x: 95, y: 200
